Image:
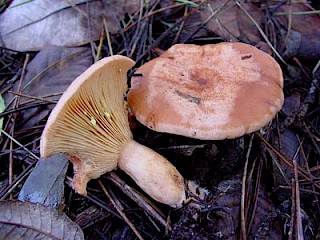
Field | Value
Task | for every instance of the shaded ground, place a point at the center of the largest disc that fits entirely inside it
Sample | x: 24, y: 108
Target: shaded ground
x: 264, y: 185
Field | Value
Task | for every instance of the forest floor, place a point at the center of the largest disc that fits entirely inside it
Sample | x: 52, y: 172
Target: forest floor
x: 264, y: 185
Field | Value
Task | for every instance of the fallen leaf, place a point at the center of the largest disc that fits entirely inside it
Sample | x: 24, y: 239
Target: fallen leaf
x: 33, y: 25
x: 291, y: 104
x: 47, y: 76
x: 231, y: 23
x: 26, y: 221
x: 289, y: 147
x: 45, y: 184
x: 304, y: 32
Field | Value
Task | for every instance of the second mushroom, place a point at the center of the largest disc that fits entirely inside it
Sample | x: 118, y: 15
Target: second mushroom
x: 209, y: 92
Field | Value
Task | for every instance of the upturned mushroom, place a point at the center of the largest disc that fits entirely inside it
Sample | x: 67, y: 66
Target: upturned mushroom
x: 209, y: 92
x: 90, y: 125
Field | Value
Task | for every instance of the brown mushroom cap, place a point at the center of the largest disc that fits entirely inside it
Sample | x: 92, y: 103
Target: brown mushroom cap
x: 211, y: 92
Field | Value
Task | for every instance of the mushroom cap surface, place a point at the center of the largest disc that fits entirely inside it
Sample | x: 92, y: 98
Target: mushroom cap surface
x: 90, y: 123
x: 209, y: 92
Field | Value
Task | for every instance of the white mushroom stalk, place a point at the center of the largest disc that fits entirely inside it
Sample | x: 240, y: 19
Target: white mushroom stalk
x: 90, y: 125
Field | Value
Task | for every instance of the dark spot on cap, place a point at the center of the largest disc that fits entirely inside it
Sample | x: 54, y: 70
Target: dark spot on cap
x: 244, y: 57
x: 187, y: 96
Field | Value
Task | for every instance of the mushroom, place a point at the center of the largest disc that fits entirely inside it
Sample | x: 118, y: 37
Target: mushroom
x: 209, y: 92
x: 90, y: 125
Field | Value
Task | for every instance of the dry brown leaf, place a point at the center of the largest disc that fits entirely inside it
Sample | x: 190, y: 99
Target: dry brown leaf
x: 304, y: 31
x: 50, y: 72
x: 33, y: 25
x: 289, y: 147
x: 26, y: 221
x: 231, y: 23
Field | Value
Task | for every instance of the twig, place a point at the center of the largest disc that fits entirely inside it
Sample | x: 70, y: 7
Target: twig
x: 315, y: 12
x: 293, y: 210
x: 138, y: 31
x: 289, y: 27
x: 4, y: 152
x: 255, y: 194
x: 15, y: 105
x: 299, y: 229
x: 301, y: 190
x: 98, y: 54
x: 119, y: 209
x: 32, y: 97
x: 106, y: 29
x: 181, y: 27
x: 7, y: 112
x: 275, y: 161
x: 243, y: 207
x: 19, y: 144
x: 136, y: 197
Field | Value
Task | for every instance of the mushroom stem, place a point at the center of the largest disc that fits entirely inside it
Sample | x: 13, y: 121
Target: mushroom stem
x: 153, y: 173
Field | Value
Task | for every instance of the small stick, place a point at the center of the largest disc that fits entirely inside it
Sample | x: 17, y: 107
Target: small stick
x: 181, y: 26
x: 106, y: 29
x: 138, y: 31
x: 15, y: 105
x: 293, y: 209
x: 243, y: 193
x: 119, y: 210
x: 98, y: 54
x: 7, y: 112
x: 20, y: 145
x: 299, y: 228
x: 32, y: 97
x: 135, y: 196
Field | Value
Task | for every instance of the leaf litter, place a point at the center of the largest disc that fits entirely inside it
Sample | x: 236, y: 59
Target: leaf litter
x: 264, y: 185
x: 48, y: 74
x: 34, y: 25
